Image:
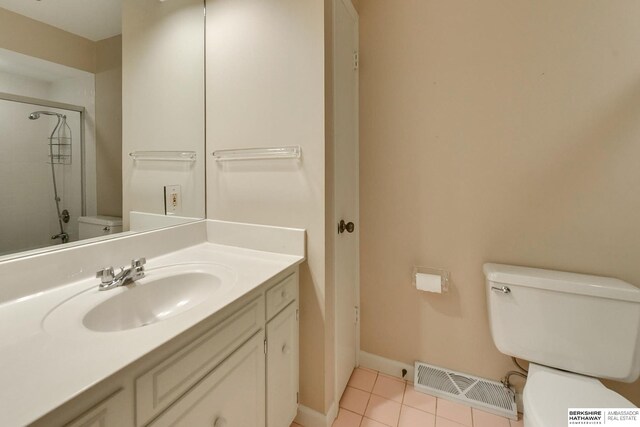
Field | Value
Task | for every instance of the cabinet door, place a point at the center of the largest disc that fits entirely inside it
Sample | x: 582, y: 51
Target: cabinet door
x: 282, y: 367
x: 230, y: 396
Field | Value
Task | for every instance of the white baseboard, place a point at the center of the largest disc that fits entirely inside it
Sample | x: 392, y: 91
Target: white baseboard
x: 308, y: 417
x: 332, y: 414
x: 386, y: 366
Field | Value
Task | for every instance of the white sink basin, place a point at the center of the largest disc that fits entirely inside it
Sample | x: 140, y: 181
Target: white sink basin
x: 141, y: 304
x: 163, y: 293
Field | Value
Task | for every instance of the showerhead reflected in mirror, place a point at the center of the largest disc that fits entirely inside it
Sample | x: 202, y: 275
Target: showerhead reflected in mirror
x: 36, y: 115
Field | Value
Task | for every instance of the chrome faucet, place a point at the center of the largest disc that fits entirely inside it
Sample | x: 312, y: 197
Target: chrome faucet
x: 63, y: 236
x: 109, y: 280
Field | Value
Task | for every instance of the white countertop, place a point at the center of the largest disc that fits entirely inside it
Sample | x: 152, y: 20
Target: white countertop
x: 41, y: 368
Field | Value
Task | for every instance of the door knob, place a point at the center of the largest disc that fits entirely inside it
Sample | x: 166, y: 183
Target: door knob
x: 348, y: 226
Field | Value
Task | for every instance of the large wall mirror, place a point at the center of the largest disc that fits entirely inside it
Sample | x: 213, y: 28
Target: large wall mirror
x: 101, y: 119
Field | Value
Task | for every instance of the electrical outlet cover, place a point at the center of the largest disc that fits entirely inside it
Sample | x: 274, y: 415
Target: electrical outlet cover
x: 172, y: 200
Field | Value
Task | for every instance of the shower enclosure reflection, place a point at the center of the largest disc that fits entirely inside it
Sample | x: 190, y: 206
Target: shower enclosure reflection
x: 42, y: 176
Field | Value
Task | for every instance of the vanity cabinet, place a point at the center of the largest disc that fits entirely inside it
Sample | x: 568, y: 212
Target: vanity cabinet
x: 171, y: 378
x: 239, y: 368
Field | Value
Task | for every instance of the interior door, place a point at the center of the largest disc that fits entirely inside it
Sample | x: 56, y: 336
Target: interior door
x: 345, y: 96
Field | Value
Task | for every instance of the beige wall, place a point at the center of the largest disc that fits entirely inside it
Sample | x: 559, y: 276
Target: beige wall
x: 265, y: 87
x: 109, y: 126
x: 33, y: 38
x: 502, y: 131
x: 162, y: 102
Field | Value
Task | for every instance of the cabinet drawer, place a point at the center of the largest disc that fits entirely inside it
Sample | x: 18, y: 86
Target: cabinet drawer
x: 167, y: 381
x: 279, y: 296
x: 111, y: 412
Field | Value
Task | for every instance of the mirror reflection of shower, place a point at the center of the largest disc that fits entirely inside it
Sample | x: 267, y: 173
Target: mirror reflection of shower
x: 60, y: 153
x: 43, y: 170
x: 48, y: 169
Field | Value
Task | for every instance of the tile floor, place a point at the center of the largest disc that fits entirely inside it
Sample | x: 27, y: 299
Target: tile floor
x: 373, y: 399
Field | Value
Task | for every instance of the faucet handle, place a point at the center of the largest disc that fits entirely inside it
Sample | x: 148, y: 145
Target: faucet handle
x: 106, y: 275
x: 135, y: 263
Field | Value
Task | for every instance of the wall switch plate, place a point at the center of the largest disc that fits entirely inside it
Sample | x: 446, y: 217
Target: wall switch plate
x: 172, y: 200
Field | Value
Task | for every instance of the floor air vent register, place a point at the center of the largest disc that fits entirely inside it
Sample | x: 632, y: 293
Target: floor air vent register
x: 486, y: 395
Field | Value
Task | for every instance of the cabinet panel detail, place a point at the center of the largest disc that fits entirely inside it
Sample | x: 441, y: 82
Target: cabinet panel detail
x: 167, y: 381
x: 231, y: 395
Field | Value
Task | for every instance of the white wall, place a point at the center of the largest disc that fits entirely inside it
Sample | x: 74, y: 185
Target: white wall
x: 26, y: 179
x: 265, y: 87
x: 80, y: 91
x: 25, y: 86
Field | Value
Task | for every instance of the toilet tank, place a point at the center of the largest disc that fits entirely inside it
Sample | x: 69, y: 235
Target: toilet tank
x: 584, y: 324
x: 100, y: 225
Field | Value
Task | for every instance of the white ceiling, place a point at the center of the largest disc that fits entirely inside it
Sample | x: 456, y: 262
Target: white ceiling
x: 91, y: 19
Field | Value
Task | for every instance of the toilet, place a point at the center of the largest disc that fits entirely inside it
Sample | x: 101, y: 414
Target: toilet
x: 573, y: 329
x: 100, y: 225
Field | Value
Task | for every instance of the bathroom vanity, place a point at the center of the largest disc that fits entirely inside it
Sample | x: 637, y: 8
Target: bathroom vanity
x: 208, y: 337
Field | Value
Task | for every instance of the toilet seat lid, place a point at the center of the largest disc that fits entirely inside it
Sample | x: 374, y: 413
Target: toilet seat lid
x: 549, y: 393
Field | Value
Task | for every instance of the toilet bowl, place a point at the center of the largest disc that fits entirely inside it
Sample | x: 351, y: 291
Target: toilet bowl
x: 549, y: 393
x: 573, y: 328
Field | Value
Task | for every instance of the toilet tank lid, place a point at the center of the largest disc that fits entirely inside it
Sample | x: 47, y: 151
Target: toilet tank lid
x: 111, y: 221
x: 561, y: 281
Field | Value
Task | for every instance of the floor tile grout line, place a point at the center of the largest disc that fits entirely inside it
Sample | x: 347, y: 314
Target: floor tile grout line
x: 368, y: 391
x: 365, y: 408
x: 420, y: 409
x: 385, y: 397
x: 447, y: 418
x: 352, y: 413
